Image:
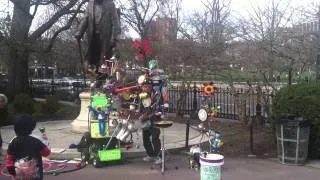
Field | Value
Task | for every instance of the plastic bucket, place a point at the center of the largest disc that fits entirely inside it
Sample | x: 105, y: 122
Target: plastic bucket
x: 211, y: 166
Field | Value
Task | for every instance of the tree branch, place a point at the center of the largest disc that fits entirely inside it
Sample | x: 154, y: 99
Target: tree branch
x: 42, y: 2
x: 64, y: 28
x: 63, y: 11
x: 35, y: 10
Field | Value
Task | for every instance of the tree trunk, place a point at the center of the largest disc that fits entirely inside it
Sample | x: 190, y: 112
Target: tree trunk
x: 318, y: 68
x: 19, y: 49
x: 18, y: 74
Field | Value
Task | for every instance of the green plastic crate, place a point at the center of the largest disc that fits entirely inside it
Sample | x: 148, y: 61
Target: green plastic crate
x: 110, y: 154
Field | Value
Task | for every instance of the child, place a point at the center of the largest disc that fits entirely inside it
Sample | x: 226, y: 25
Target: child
x: 24, y: 156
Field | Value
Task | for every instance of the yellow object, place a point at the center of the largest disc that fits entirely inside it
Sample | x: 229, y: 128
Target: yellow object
x: 143, y: 95
x: 209, y: 89
x: 94, y: 129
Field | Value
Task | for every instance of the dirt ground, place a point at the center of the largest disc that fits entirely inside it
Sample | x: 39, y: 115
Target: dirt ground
x: 236, y: 138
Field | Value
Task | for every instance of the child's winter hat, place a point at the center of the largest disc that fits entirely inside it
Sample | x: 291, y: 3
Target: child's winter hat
x: 24, y: 125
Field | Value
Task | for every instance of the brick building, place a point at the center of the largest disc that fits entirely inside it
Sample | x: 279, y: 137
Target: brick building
x: 162, y: 29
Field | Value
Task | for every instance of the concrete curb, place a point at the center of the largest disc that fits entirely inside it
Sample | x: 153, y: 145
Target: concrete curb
x: 313, y: 164
x: 309, y: 163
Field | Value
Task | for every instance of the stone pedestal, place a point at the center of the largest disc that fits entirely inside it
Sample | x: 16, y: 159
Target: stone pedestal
x: 80, y: 124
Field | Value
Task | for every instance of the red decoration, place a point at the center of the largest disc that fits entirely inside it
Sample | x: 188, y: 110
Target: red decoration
x: 143, y: 49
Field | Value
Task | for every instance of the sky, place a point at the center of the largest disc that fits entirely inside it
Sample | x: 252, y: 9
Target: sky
x: 238, y: 7
x: 241, y: 6
x: 191, y: 5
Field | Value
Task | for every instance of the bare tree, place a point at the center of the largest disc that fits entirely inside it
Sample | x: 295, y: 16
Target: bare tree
x: 267, y: 30
x: 211, y: 29
x: 313, y: 13
x: 210, y: 24
x: 138, y: 14
x: 22, y: 40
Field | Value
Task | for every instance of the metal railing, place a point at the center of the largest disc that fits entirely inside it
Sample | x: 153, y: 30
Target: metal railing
x: 187, y: 101
x: 183, y: 100
x: 234, y: 102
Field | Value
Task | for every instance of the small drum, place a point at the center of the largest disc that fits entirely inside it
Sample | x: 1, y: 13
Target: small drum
x: 202, y: 115
x: 163, y: 124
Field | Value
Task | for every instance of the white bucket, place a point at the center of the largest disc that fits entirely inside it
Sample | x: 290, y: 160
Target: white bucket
x: 211, y: 166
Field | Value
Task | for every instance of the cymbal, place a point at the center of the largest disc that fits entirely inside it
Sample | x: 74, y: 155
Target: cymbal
x: 163, y: 124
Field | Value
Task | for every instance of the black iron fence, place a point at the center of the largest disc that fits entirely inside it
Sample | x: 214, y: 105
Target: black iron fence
x: 232, y: 102
x: 183, y: 100
x: 65, y: 90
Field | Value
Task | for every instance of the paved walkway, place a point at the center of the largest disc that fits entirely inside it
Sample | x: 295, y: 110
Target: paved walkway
x: 60, y: 137
x: 234, y: 169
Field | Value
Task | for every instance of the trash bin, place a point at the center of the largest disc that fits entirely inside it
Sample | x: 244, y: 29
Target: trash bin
x: 211, y: 166
x: 292, y: 139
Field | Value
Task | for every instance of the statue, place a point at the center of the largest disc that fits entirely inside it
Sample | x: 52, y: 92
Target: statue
x: 102, y: 23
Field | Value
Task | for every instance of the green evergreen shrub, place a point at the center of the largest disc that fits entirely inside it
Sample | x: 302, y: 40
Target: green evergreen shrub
x: 23, y: 103
x: 51, y: 105
x: 4, y: 113
x: 301, y: 100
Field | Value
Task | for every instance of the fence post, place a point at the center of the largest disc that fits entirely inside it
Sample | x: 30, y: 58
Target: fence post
x: 30, y: 88
x: 194, y: 102
x: 52, y: 87
x: 193, y: 113
x: 259, y: 113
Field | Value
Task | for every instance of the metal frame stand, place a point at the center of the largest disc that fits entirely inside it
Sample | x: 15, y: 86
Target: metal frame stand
x: 163, y: 149
x: 163, y: 152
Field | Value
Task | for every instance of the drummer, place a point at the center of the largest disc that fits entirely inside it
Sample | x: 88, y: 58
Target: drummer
x: 151, y: 135
x: 151, y: 142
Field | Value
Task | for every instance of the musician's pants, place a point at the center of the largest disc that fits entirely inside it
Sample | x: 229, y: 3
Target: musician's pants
x: 151, y: 141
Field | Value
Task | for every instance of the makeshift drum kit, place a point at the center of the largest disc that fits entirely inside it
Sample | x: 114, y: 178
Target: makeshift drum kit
x: 111, y: 125
x: 207, y: 114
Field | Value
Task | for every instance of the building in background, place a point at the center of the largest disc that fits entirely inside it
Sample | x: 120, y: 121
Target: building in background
x: 312, y: 26
x: 162, y: 29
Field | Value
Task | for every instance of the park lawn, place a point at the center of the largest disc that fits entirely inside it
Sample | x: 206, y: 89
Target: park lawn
x: 225, y: 75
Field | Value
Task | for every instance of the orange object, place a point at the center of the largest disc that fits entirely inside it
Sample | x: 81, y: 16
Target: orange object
x: 208, y: 89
